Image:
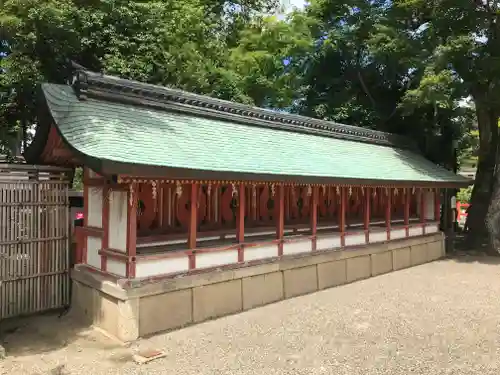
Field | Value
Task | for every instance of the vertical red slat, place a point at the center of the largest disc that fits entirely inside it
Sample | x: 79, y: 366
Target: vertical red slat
x: 280, y: 218
x: 131, y: 230
x: 193, y: 221
x: 437, y: 205
x: 240, y: 222
x: 83, y: 237
x: 366, y: 214
x: 388, y: 213
x: 422, y: 209
x: 314, y: 216
x: 407, y: 211
x: 105, y: 225
x: 343, y: 204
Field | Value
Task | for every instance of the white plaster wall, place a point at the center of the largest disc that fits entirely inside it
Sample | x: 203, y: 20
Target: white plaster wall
x: 118, y: 206
x: 216, y: 258
x: 148, y: 268
x: 433, y: 228
x: 94, y: 245
x: 355, y: 239
x: 429, y: 205
x: 297, y: 247
x: 398, y: 233
x: 94, y: 201
x: 379, y: 236
x: 416, y: 231
x: 116, y: 267
x: 327, y: 242
x: 260, y: 252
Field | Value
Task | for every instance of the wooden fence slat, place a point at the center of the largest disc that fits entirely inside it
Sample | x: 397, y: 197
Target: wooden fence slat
x: 34, y: 239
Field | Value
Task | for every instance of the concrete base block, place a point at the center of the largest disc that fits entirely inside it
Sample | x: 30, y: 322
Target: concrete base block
x: 300, y: 281
x: 332, y: 274
x: 381, y: 263
x: 418, y: 254
x: 358, y: 268
x: 128, y: 309
x: 401, y: 258
x: 163, y: 312
x: 263, y: 289
x: 434, y: 251
x: 82, y: 303
x: 119, y: 318
x: 216, y: 300
x: 107, y: 314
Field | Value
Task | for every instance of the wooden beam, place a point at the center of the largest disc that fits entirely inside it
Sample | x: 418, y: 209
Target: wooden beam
x: 314, y: 215
x: 240, y: 222
x: 131, y: 229
x: 388, y: 205
x: 407, y: 211
x: 366, y: 214
x: 280, y: 218
x: 342, y: 211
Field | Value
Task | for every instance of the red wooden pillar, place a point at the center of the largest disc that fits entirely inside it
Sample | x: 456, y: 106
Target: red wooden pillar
x: 131, y: 230
x: 366, y: 214
x: 105, y: 224
x: 343, y: 204
x: 314, y: 216
x: 280, y: 218
x: 422, y: 209
x: 437, y: 206
x: 193, y: 223
x: 407, y: 211
x: 240, y: 222
x: 388, y: 213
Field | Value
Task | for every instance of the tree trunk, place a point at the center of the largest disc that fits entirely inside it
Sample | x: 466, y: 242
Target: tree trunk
x: 487, y: 118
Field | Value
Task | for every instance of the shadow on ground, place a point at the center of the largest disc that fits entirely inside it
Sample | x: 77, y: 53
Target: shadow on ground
x: 46, y: 333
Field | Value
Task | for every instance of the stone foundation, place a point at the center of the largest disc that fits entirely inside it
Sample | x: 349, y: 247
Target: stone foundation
x: 173, y: 303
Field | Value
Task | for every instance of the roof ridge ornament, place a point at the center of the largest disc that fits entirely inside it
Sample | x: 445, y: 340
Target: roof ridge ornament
x: 79, y: 81
x: 106, y: 87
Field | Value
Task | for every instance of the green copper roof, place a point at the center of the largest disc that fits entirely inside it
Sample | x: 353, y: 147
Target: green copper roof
x: 139, y: 135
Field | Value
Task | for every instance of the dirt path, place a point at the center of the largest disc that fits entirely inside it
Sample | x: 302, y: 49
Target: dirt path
x: 439, y: 318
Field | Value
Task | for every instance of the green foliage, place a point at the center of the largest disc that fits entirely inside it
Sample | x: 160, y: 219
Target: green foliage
x: 78, y: 179
x: 464, y: 195
x: 186, y: 44
x: 376, y: 64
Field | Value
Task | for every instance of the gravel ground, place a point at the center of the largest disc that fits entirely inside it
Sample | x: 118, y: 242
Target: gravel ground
x: 438, y: 318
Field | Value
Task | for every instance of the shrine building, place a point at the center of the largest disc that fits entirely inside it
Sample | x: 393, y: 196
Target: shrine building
x: 197, y: 207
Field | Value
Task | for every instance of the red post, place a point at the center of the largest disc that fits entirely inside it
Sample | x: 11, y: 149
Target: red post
x: 437, y: 205
x: 388, y: 212
x: 280, y: 218
x: 131, y: 230
x: 193, y: 223
x: 422, y: 209
x: 343, y: 204
x: 366, y: 214
x: 105, y: 224
x: 314, y: 216
x: 240, y: 222
x: 407, y: 211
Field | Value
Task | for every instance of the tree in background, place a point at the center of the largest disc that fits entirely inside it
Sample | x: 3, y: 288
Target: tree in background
x: 185, y: 44
x: 460, y: 53
x: 401, y: 66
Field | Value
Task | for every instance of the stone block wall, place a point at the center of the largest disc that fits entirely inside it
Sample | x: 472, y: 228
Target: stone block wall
x: 173, y: 303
